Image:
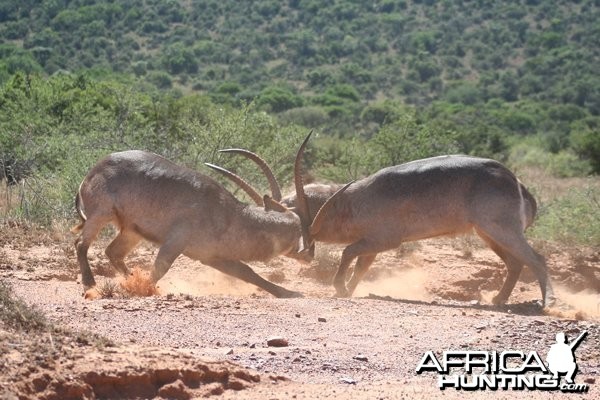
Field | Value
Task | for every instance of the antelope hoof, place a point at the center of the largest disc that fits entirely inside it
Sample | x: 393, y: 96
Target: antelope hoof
x: 549, y: 301
x: 92, y: 294
x: 499, y: 300
x: 290, y: 294
x: 342, y: 292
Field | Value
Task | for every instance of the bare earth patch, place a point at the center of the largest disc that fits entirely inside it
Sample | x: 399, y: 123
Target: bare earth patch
x: 206, y: 334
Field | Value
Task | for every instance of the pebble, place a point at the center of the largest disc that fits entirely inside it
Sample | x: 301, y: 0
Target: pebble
x: 321, y: 319
x: 361, y: 357
x: 277, y: 341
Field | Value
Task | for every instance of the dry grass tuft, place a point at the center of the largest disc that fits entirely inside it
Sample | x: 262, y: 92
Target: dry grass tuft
x: 139, y: 284
x: 108, y: 289
x: 16, y: 314
x: 408, y: 248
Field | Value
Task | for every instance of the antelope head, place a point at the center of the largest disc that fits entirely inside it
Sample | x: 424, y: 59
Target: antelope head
x: 309, y: 227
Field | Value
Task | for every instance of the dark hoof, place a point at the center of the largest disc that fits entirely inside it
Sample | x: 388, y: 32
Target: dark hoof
x: 550, y: 301
x: 343, y: 294
x: 290, y: 295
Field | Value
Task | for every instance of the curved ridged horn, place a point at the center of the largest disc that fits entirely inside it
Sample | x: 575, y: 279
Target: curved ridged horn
x: 240, y: 182
x: 273, y: 184
x: 301, y: 200
x: 317, y: 222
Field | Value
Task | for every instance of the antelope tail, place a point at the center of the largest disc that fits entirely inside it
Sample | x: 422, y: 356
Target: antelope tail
x: 528, y: 206
x: 77, y: 228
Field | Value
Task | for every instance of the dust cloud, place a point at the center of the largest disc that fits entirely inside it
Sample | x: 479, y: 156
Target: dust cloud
x: 407, y: 284
x: 138, y: 284
x: 204, y: 282
x: 580, y: 305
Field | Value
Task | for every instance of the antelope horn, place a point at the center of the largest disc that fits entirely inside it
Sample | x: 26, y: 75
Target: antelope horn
x: 317, y: 222
x: 273, y: 184
x: 240, y: 182
x: 301, y: 200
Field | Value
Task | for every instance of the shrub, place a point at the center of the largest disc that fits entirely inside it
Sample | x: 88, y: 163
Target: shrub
x: 16, y: 314
x: 586, y: 143
x: 309, y: 117
x: 571, y: 219
x: 463, y: 93
x: 407, y: 139
x: 563, y: 164
x: 162, y: 80
x: 277, y: 99
x: 382, y: 112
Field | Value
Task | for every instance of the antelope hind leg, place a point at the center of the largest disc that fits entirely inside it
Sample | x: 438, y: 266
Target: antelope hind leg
x: 121, y: 245
x: 91, y: 228
x: 513, y: 243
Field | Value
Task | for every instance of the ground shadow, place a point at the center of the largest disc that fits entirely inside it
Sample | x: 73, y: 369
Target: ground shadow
x: 527, y: 308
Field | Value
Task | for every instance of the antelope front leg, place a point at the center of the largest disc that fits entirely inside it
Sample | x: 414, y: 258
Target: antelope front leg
x: 166, y: 256
x: 339, y: 281
x: 242, y: 271
x: 349, y: 254
x: 360, y: 269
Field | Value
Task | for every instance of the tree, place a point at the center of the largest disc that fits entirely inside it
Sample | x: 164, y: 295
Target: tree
x: 585, y: 140
x: 178, y: 59
x: 406, y: 139
x: 278, y: 99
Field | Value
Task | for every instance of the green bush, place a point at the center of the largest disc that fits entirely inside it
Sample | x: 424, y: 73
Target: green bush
x: 585, y: 141
x: 382, y: 112
x: 310, y: 117
x: 343, y: 160
x: 571, y: 219
x: 61, y: 126
x: 563, y: 164
x: 406, y: 139
x: 161, y: 79
x: 277, y: 99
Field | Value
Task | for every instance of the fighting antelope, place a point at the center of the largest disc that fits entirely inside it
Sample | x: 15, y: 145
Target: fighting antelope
x: 421, y: 199
x: 148, y: 197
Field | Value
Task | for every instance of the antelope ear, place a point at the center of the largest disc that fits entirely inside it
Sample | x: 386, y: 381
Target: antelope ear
x: 272, y: 205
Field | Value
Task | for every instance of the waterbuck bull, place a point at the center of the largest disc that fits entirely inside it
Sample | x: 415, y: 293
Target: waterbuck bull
x: 148, y: 197
x: 437, y: 196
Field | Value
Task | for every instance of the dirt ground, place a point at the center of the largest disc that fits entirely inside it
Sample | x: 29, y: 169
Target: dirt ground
x: 206, y: 334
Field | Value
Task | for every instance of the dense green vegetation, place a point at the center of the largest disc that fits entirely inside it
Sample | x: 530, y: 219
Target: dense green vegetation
x: 463, y: 52
x: 381, y: 82
x: 484, y: 68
